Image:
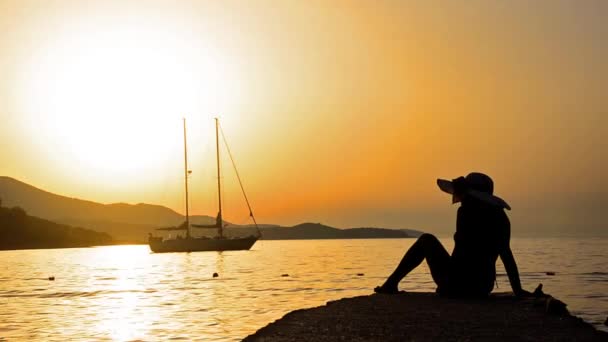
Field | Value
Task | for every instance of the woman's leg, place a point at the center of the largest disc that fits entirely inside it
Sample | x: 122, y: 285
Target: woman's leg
x: 426, y: 247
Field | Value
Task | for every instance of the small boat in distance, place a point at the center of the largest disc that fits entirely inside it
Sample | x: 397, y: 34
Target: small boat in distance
x: 220, y: 242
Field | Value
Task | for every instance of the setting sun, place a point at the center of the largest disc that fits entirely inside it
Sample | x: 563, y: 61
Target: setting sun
x: 110, y: 99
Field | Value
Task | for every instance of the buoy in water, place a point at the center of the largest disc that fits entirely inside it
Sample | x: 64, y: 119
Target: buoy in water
x: 284, y: 275
x: 550, y: 273
x: 51, y: 278
x: 215, y: 275
x: 360, y: 274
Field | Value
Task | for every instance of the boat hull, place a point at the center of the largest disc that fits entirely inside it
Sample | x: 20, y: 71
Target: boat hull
x: 158, y: 245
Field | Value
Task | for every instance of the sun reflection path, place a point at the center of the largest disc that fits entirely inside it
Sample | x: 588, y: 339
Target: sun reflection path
x: 120, y: 280
x: 139, y: 295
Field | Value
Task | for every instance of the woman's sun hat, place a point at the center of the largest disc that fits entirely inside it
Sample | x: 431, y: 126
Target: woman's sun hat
x: 475, y: 184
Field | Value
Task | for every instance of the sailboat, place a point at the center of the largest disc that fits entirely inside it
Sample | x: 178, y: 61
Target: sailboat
x: 220, y: 242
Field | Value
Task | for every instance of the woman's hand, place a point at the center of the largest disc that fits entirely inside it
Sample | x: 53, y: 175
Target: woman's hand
x: 538, y: 293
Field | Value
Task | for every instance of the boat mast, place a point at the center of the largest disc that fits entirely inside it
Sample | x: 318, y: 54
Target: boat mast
x: 219, y: 190
x: 186, y: 181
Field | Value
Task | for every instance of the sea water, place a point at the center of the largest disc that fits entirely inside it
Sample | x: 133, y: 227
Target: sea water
x: 126, y: 293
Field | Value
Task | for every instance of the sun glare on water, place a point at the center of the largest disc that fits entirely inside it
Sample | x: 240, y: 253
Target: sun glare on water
x: 111, y: 100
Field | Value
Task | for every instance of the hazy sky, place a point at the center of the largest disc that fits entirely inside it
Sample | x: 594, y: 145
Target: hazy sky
x: 341, y: 112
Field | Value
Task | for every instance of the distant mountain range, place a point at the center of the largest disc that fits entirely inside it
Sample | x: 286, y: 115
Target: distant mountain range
x: 319, y: 231
x: 131, y: 223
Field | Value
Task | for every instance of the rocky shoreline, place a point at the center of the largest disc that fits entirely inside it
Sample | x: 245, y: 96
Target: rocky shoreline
x: 428, y: 317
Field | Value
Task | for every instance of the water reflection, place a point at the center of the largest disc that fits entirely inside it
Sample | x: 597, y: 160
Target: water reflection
x: 119, y: 284
x: 126, y: 293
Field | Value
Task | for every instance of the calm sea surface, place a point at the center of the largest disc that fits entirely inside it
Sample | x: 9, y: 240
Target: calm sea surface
x: 126, y: 293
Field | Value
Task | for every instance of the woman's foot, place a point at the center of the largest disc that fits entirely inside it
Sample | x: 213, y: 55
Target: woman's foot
x: 386, y: 289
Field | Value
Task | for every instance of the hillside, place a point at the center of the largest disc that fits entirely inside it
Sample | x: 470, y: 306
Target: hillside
x: 131, y: 223
x: 56, y: 207
x: 18, y: 230
x: 125, y: 222
x: 318, y: 231
x: 412, y: 232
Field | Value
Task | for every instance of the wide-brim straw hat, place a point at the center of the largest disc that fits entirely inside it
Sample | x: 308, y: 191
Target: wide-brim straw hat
x: 475, y: 184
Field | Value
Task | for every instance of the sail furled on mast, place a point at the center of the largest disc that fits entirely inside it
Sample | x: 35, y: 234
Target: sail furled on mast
x: 183, y: 226
x: 218, y: 223
x: 220, y: 229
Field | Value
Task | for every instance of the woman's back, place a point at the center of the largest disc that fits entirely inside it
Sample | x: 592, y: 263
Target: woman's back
x: 481, y: 232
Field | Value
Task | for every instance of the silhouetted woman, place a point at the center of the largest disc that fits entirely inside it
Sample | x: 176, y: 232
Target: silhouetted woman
x: 482, y: 234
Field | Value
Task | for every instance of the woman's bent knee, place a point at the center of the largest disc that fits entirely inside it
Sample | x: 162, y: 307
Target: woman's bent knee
x: 426, y: 237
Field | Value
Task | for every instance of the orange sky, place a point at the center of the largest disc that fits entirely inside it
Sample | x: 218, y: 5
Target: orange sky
x: 342, y: 112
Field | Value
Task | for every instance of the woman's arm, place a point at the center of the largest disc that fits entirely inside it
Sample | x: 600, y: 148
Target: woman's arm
x: 506, y: 255
x: 511, y: 267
